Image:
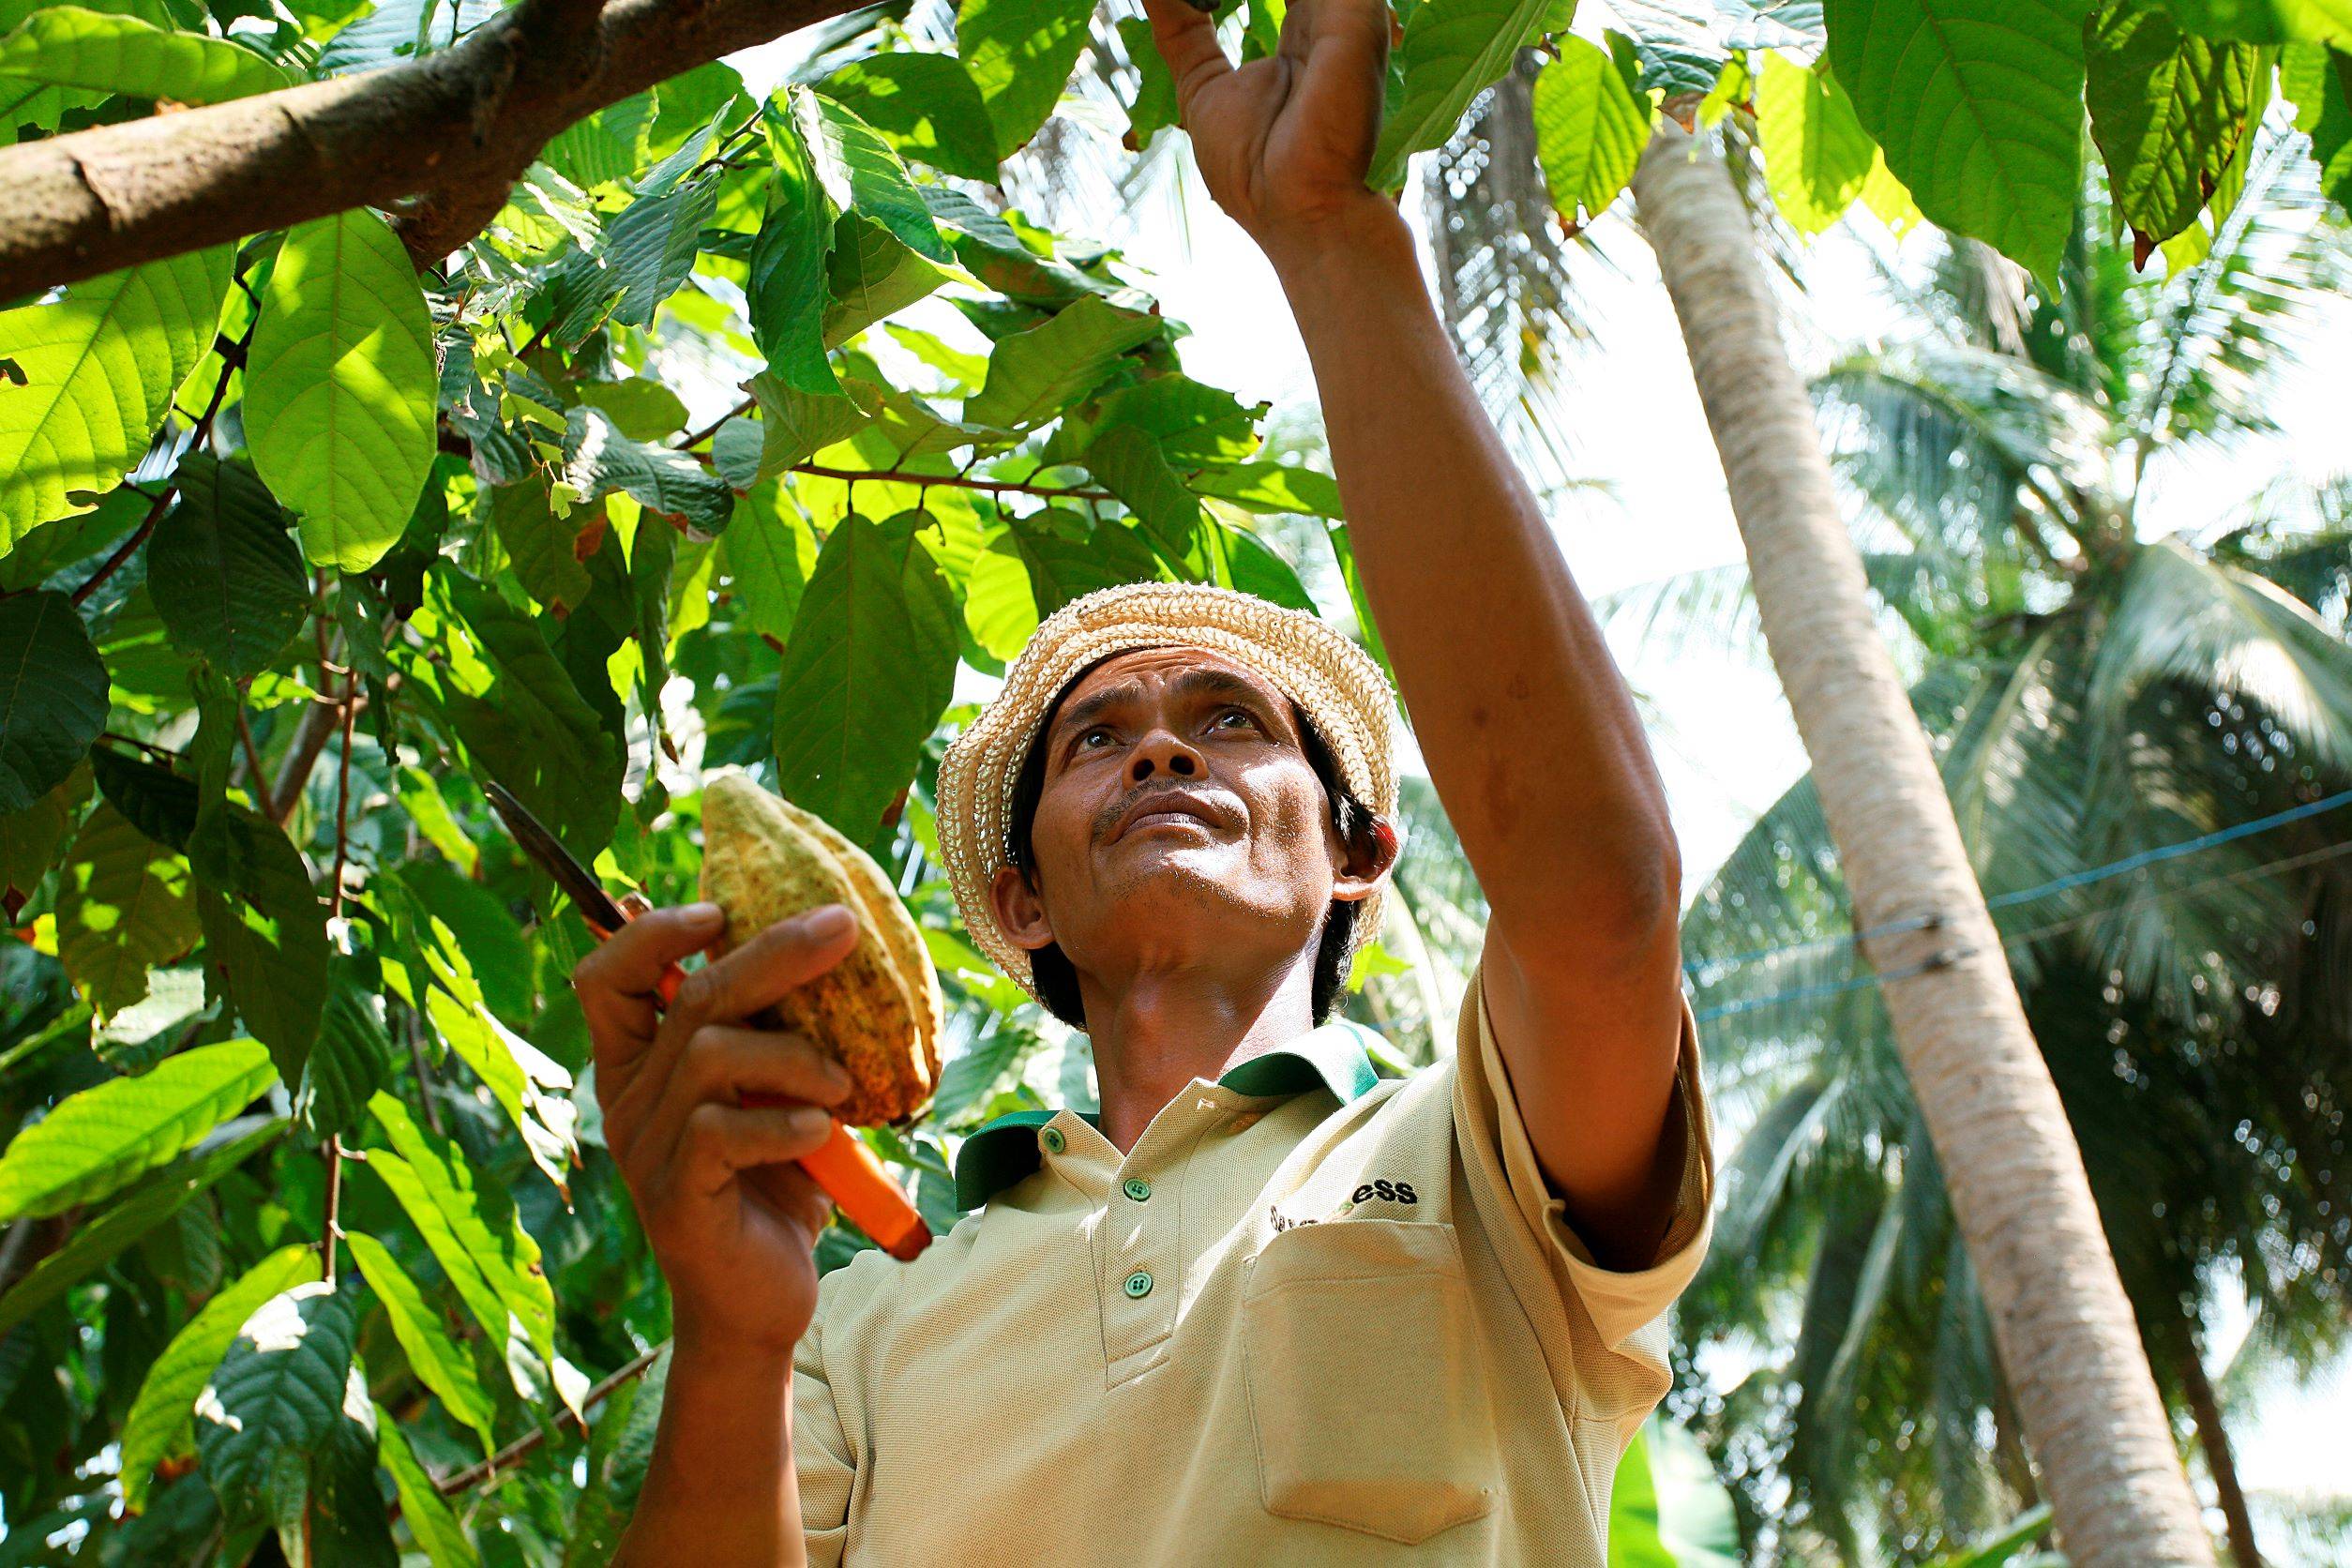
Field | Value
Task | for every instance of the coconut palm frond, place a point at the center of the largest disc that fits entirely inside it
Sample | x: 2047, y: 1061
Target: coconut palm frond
x: 2180, y: 615
x: 2222, y: 332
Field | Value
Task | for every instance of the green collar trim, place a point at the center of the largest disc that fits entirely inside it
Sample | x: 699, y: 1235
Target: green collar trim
x: 1332, y: 1057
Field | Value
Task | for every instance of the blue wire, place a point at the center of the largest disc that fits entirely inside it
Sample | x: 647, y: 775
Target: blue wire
x: 2074, y: 878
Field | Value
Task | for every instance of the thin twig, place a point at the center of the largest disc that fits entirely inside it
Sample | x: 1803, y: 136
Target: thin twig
x: 474, y: 1475
x: 252, y: 753
x: 332, y: 1227
x: 956, y: 482
x: 700, y: 436
x: 343, y: 796
x: 231, y: 356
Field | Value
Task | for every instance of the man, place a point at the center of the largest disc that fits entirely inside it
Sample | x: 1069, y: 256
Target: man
x: 1264, y: 1305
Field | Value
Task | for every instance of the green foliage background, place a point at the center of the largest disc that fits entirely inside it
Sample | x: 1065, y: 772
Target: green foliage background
x: 299, y: 547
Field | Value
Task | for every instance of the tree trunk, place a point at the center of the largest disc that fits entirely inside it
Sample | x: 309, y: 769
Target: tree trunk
x: 2206, y: 1410
x: 2066, y: 1334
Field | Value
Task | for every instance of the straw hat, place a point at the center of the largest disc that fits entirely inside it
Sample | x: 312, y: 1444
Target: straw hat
x: 1335, y: 683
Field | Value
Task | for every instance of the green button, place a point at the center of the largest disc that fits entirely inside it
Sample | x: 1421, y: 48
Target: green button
x: 1137, y: 1188
x: 1054, y: 1141
x: 1138, y: 1284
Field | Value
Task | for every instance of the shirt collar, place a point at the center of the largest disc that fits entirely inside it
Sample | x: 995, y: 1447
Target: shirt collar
x: 1005, y: 1150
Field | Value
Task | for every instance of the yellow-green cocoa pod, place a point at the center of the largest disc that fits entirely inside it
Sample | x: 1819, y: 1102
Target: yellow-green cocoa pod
x: 878, y: 1011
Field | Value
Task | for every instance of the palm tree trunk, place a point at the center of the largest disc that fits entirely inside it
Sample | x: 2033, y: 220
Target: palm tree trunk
x: 2067, y: 1339
x: 2205, y: 1408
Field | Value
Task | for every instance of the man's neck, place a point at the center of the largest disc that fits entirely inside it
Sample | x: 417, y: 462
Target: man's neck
x: 1164, y: 1028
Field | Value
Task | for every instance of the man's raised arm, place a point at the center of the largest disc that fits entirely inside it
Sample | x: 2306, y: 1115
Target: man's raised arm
x: 1530, y: 735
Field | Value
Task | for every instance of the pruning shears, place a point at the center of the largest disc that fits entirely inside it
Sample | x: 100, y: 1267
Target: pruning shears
x: 844, y: 1166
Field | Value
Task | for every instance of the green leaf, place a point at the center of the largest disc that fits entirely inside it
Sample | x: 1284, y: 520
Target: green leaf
x: 543, y: 549
x: 2267, y: 20
x: 1978, y: 104
x: 1155, y: 108
x: 351, y: 1059
x: 787, y: 292
x: 440, y: 1362
x: 493, y: 945
x: 136, y: 1212
x: 1454, y: 49
x: 98, y: 1141
x: 640, y: 408
x: 340, y: 387
x: 1675, y: 43
x: 29, y: 842
x: 1035, y: 375
x: 52, y: 696
x: 853, y: 701
x: 2167, y: 110
x: 1132, y: 467
x: 164, y: 1414
x: 529, y: 728
x: 1000, y: 609
x: 796, y: 425
x: 651, y: 247
x: 870, y: 274
x: 768, y: 555
x: 880, y: 186
x: 95, y: 372
x: 1590, y: 127
x: 26, y: 103
x: 992, y: 252
x: 965, y: 1080
x: 158, y: 802
x: 926, y: 105
x: 529, y: 1086
x: 124, y: 906
x: 1066, y: 558
x: 225, y: 575
x: 277, y: 1390
x: 264, y: 930
x: 1816, y: 155
x: 471, y: 1228
x: 1020, y: 53
x: 345, y: 1521
x: 599, y: 460
x: 1271, y: 487
x: 428, y: 1518
x: 71, y: 47
x: 2319, y: 81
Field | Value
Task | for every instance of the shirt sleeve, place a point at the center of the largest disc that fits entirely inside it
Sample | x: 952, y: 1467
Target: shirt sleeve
x: 1612, y: 1321
x: 821, y: 1452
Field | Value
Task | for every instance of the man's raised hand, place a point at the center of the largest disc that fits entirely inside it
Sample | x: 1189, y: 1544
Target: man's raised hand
x: 1283, y: 142
x: 732, y: 1220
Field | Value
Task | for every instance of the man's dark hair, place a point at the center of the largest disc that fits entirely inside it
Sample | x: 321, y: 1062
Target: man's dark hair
x: 1057, y: 978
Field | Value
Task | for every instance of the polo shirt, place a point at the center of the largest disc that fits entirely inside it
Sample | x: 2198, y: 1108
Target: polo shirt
x: 1314, y: 1316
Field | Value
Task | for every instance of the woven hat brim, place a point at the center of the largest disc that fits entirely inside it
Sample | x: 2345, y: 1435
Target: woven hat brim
x: 1339, y: 686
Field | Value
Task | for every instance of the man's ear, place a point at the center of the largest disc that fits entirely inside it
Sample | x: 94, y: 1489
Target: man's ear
x: 1366, y: 862
x: 1020, y: 913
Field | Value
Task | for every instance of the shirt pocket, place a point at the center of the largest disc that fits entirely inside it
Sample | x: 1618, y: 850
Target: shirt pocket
x: 1367, y: 1391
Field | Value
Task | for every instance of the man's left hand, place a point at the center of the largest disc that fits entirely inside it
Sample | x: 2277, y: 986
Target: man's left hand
x: 1283, y: 142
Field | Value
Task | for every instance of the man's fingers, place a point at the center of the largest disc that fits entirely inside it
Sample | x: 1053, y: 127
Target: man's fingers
x: 721, y: 1063
x: 618, y: 981
x: 789, y: 954
x: 722, y: 1140
x: 791, y: 1191
x: 1187, y: 41
x: 725, y: 1060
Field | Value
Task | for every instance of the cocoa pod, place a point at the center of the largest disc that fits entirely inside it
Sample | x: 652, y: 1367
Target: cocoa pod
x: 879, y: 1011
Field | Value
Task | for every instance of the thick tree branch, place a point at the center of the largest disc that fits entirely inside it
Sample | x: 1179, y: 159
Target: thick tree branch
x: 456, y: 127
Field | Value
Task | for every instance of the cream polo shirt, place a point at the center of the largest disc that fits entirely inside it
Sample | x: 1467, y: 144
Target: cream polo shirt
x: 1314, y: 1316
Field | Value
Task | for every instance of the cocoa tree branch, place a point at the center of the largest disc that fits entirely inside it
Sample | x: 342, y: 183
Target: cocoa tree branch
x: 456, y: 127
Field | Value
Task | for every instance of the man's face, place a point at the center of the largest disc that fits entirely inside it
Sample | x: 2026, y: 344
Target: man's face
x: 1179, y: 815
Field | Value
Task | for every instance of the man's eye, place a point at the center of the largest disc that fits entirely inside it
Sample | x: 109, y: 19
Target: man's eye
x: 1092, y: 734
x: 1241, y: 714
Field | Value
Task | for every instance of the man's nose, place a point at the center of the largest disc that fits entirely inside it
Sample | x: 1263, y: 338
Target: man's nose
x: 1161, y: 751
